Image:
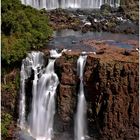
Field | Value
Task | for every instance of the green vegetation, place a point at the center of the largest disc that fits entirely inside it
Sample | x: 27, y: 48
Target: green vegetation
x: 9, y: 95
x: 105, y: 8
x: 6, y: 119
x: 23, y: 28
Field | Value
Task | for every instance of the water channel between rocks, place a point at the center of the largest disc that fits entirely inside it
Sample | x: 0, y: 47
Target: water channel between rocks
x: 71, y: 39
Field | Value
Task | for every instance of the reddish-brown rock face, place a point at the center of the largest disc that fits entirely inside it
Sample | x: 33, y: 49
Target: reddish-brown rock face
x: 111, y: 91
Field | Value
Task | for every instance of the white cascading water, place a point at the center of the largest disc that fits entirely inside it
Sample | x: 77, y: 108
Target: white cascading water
x: 80, y: 120
x: 33, y: 61
x: 40, y: 124
x: 22, y: 96
x: 52, y: 4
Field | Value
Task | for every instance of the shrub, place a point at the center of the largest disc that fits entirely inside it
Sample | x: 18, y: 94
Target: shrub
x: 5, y: 122
x: 23, y: 28
x: 13, y: 48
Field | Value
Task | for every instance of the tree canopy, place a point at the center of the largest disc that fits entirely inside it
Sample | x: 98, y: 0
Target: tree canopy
x: 23, y: 28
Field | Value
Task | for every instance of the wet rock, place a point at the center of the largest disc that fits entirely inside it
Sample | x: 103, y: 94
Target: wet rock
x: 25, y: 136
x: 62, y: 19
x: 106, y: 19
x: 100, y: 52
x: 127, y: 52
x: 85, y: 29
x: 63, y: 136
x: 68, y: 78
x: 118, y: 111
x: 105, y: 8
x: 121, y: 9
x: 74, y: 42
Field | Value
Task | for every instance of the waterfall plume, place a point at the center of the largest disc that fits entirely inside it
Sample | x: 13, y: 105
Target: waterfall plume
x: 80, y: 120
x: 85, y: 4
x: 39, y: 121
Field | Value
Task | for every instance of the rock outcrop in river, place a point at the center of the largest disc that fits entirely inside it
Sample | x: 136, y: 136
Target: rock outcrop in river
x: 106, y: 19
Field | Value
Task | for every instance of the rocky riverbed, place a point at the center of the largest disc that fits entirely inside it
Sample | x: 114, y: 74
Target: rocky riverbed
x: 105, y: 19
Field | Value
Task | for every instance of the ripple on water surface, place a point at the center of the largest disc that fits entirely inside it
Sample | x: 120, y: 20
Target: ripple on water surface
x: 73, y: 39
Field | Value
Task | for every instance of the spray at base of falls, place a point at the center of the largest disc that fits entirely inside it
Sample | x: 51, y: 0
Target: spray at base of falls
x: 40, y: 119
x: 53, y: 4
x: 80, y: 120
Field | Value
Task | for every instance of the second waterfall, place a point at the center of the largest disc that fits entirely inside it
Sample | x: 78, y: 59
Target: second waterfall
x: 80, y: 120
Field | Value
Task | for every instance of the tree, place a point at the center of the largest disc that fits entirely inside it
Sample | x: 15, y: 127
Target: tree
x: 23, y: 28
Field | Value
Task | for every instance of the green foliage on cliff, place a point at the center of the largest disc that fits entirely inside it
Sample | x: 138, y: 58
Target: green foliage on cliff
x: 9, y: 102
x: 23, y: 28
x: 5, y: 122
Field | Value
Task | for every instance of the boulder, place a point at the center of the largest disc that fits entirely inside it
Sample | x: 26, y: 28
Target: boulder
x: 105, y: 8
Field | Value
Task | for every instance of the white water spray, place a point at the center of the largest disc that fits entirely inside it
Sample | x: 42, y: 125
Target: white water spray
x: 80, y: 121
x: 22, y: 98
x: 33, y: 61
x: 40, y: 124
x: 52, y: 4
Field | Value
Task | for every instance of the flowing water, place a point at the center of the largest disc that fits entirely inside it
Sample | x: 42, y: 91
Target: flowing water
x: 73, y: 40
x: 38, y: 124
x: 33, y: 61
x: 52, y: 4
x: 44, y: 103
x: 40, y: 119
x: 80, y: 120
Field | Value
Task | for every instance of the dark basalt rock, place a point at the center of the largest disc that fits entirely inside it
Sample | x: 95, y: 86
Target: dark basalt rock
x: 127, y: 52
x: 105, y: 8
x: 106, y: 19
x: 111, y: 91
x: 121, y: 10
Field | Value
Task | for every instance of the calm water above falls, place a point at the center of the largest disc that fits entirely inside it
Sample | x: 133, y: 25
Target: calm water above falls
x: 70, y: 39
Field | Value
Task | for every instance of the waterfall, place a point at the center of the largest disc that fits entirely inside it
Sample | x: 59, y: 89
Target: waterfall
x: 44, y: 103
x: 22, y: 97
x: 34, y: 60
x: 45, y: 82
x: 80, y: 120
x: 52, y: 4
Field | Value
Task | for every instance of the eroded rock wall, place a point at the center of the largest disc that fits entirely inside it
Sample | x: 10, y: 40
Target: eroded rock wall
x: 111, y: 90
